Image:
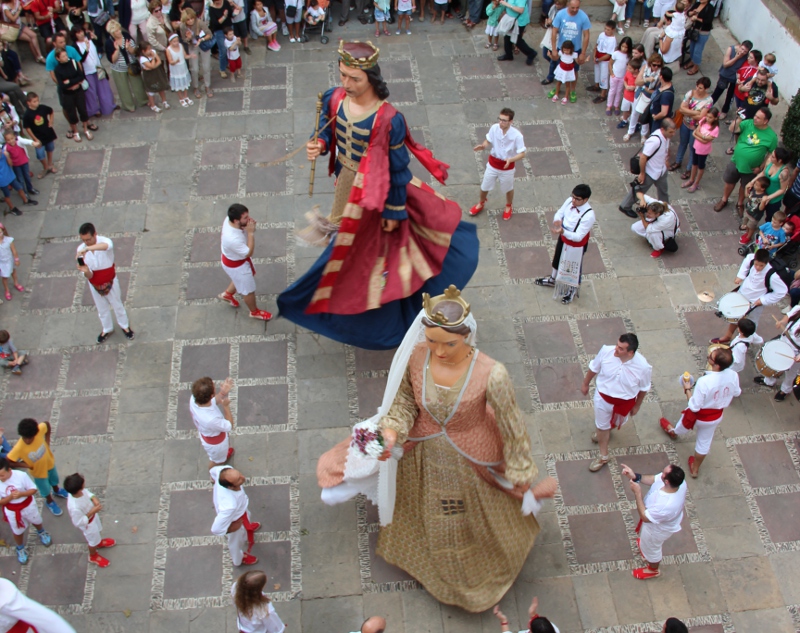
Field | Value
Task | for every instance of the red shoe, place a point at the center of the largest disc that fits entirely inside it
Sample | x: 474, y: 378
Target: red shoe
x: 254, y: 527
x: 691, y: 468
x: 231, y: 451
x: 665, y: 425
x: 744, y: 239
x: 645, y: 573
x: 639, y: 545
x: 229, y: 299
x: 477, y: 208
x: 106, y: 542
x: 99, y: 561
x: 507, y: 212
x: 656, y: 254
x: 249, y: 559
x: 262, y: 315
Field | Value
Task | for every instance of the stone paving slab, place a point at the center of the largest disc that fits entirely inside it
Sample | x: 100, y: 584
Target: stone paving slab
x: 159, y: 185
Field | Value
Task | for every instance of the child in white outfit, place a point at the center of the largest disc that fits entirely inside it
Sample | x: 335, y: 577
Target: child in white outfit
x: 83, y: 508
x: 606, y: 45
x: 565, y: 71
x: 9, y: 260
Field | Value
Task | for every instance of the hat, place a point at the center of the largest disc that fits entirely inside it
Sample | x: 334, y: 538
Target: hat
x: 361, y: 55
x: 173, y: 36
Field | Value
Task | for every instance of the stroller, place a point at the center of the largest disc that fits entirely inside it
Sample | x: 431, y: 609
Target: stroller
x: 320, y: 27
x: 786, y: 255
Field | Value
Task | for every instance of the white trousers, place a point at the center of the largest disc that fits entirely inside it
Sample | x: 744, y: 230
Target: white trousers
x: 652, y: 539
x: 242, y: 277
x: 237, y: 544
x: 705, y: 433
x: 601, y: 74
x: 105, y: 304
x: 655, y: 240
x: 92, y: 532
x: 603, y: 413
x: 493, y: 176
x: 30, y: 516
x: 788, y: 378
x: 217, y: 453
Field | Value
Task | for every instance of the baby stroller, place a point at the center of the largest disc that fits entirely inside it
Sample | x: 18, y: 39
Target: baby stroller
x: 320, y: 27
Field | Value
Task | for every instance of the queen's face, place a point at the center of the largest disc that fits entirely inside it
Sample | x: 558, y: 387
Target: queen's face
x: 445, y: 345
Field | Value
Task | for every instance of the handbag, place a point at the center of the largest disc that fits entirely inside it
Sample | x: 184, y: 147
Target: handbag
x: 678, y: 119
x: 642, y: 103
x: 85, y: 84
x: 547, y: 40
x: 134, y: 67
x: 101, y: 18
x: 506, y: 24
x: 207, y: 45
x: 291, y: 11
x: 101, y: 72
x: 634, y: 162
x: 693, y: 34
x: 9, y: 32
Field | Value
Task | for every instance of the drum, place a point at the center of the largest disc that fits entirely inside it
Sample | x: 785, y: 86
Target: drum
x: 774, y: 358
x: 711, y: 348
x: 732, y: 307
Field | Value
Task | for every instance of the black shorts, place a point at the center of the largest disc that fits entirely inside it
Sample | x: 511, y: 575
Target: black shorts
x: 46, y: 29
x: 276, y: 5
x: 240, y: 29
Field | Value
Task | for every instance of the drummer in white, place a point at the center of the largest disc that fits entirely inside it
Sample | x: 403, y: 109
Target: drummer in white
x: 760, y: 284
x: 238, y: 243
x: 712, y: 393
x: 790, y: 324
x: 742, y: 341
x: 508, y: 147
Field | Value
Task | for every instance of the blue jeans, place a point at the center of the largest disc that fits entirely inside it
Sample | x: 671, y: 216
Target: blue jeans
x: 546, y: 5
x: 686, y: 142
x: 219, y: 39
x: 475, y: 10
x: 696, y: 48
x: 5, y: 447
x: 22, y: 172
x: 648, y: 11
x: 41, y: 152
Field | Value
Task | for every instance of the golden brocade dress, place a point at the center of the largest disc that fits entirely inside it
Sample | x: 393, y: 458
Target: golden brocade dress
x: 454, y: 529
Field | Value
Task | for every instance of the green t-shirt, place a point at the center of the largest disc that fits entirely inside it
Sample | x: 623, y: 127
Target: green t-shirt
x: 753, y: 146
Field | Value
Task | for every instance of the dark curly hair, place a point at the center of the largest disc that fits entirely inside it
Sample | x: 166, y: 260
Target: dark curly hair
x: 376, y: 81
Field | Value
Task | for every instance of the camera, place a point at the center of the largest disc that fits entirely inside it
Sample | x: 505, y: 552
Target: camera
x: 80, y: 261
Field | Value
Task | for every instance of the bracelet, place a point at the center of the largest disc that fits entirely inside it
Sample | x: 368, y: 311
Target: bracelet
x: 637, y: 478
x: 504, y: 624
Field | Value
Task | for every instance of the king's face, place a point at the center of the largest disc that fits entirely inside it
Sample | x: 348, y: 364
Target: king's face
x: 354, y: 81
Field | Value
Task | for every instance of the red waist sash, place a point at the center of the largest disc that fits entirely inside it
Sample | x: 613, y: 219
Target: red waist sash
x: 17, y: 509
x: 92, y: 518
x: 566, y: 67
x: 235, y: 263
x: 22, y: 627
x: 103, y: 276
x: 499, y: 163
x: 249, y: 527
x: 598, y: 55
x: 704, y: 415
x: 214, y: 439
x: 583, y: 242
x: 622, y: 409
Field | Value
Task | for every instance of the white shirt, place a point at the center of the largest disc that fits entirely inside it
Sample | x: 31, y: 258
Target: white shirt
x: 99, y: 260
x: 665, y: 509
x: 570, y: 215
x: 505, y: 146
x: 754, y: 286
x: 715, y: 390
x: 739, y: 346
x: 792, y: 333
x: 209, y: 420
x: 14, y: 606
x: 78, y: 507
x: 229, y: 504
x: 656, y: 165
x: 92, y: 61
x: 618, y: 379
x: 6, y: 256
x: 666, y: 223
x: 234, y: 242
x: 660, y: 6
x: 18, y: 481
x: 620, y: 64
x: 232, y: 53
x: 606, y: 44
x: 265, y: 620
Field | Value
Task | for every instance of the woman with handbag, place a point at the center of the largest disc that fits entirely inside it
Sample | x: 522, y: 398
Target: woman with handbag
x: 198, y: 36
x: 649, y: 74
x: 693, y: 109
x: 11, y: 21
x: 72, y: 86
x: 125, y: 68
x: 99, y: 98
x: 700, y: 17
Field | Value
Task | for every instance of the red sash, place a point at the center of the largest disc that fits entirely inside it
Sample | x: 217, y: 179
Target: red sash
x: 598, y: 55
x: 704, y: 415
x: 92, y: 517
x: 17, y: 509
x: 248, y: 527
x: 22, y: 627
x: 103, y: 276
x: 583, y: 242
x: 235, y: 263
x: 622, y: 409
x: 499, y: 163
x: 214, y: 439
x: 566, y: 67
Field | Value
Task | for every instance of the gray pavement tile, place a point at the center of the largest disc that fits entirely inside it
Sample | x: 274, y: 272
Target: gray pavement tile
x: 595, y: 601
x: 670, y: 596
x: 330, y: 568
x: 702, y: 589
x: 777, y: 620
x: 422, y: 612
x: 341, y: 613
x: 749, y: 584
x: 736, y: 541
x: 135, y: 461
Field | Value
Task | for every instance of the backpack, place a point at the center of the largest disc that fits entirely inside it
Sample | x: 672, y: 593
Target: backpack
x: 634, y: 166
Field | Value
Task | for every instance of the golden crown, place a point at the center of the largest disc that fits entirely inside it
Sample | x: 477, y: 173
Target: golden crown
x: 451, y: 294
x: 361, y: 55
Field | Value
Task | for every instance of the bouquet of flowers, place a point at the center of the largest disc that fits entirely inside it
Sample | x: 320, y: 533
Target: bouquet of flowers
x: 367, y: 439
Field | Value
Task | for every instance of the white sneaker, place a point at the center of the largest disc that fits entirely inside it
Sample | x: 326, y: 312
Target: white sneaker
x: 292, y: 40
x: 626, y: 138
x: 165, y: 105
x: 284, y: 29
x: 786, y: 310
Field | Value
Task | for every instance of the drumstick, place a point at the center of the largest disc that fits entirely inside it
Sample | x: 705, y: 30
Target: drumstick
x: 785, y: 355
x: 775, y: 319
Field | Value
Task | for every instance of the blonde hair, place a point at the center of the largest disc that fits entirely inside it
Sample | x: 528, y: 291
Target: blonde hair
x: 249, y: 594
x: 112, y: 26
x: 153, y: 5
x: 187, y: 14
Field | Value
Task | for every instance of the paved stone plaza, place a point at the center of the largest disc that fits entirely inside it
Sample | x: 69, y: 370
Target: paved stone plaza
x: 159, y: 185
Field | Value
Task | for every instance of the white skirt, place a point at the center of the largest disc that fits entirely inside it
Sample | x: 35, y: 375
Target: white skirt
x: 491, y: 31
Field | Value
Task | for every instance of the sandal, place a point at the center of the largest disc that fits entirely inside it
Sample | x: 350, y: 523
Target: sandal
x: 184, y: 104
x: 19, y: 288
x: 564, y: 101
x: 494, y: 47
x: 692, y: 471
x: 93, y: 127
x: 686, y: 175
x: 155, y: 108
x: 487, y: 45
x: 209, y: 93
x: 694, y: 188
x: 693, y: 71
x: 674, y: 167
x: 8, y: 296
x: 197, y: 94
x: 729, y: 151
x: 76, y: 137
x: 70, y: 134
x: 686, y: 184
x: 89, y: 136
